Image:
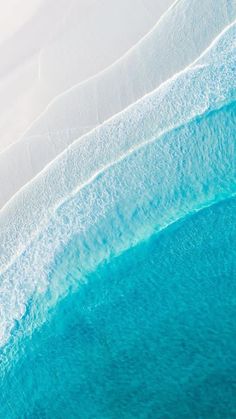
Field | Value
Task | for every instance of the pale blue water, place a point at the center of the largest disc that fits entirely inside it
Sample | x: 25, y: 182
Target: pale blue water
x: 134, y: 316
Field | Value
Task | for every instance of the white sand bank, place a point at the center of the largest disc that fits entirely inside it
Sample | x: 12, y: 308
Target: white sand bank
x: 63, y: 43
x: 158, y: 56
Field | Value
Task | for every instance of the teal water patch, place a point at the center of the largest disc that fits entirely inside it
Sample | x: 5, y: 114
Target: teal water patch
x: 151, y: 334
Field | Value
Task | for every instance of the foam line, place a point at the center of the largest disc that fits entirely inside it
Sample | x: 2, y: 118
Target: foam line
x: 79, y: 109
x: 84, y: 82
x: 119, y: 114
x: 83, y: 216
x: 10, y: 207
x: 106, y: 70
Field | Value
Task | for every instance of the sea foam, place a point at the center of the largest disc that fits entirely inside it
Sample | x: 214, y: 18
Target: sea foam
x: 166, y: 156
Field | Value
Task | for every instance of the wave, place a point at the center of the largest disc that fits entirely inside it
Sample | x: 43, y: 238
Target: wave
x: 168, y: 155
x: 193, y: 92
x: 184, y: 170
x: 142, y: 69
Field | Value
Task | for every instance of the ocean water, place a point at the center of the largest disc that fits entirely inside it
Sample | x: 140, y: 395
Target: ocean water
x: 151, y: 334
x: 123, y: 303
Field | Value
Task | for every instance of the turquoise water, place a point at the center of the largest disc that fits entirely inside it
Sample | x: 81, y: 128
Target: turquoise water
x: 123, y: 305
x: 152, y: 334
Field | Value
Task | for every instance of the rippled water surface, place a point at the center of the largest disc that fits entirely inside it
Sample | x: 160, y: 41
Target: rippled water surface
x: 150, y: 334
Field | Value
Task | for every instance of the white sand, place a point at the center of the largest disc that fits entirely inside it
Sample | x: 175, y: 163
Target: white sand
x: 63, y: 43
x: 155, y: 58
x: 25, y: 216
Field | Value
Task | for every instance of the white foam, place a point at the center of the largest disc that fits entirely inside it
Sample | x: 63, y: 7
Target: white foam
x: 157, y: 113
x: 78, y: 189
